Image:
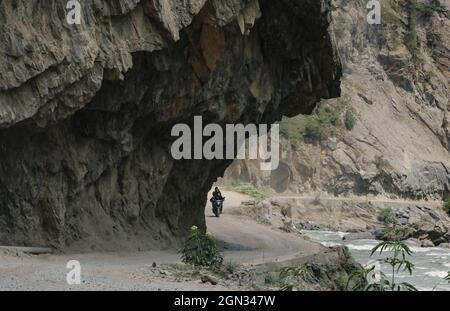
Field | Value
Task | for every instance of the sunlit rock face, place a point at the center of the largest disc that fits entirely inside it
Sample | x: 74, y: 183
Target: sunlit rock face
x: 86, y: 110
x: 396, y: 85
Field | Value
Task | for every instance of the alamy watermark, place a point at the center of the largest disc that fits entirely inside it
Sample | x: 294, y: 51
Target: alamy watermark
x: 73, y: 277
x: 374, y: 16
x: 73, y: 16
x: 238, y: 142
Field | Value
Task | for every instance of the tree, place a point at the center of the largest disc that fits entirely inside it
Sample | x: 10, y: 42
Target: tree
x: 397, y: 262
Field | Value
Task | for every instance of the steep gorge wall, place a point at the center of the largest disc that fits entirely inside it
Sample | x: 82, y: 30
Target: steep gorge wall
x: 396, y: 83
x: 86, y: 111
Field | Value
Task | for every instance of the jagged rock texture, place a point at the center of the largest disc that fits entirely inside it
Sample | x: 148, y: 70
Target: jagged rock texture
x: 396, y: 82
x: 86, y: 110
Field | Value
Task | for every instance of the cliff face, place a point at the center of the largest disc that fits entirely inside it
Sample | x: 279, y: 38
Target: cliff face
x: 86, y: 110
x: 396, y: 89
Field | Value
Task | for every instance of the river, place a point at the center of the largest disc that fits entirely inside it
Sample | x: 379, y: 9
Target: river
x: 431, y: 264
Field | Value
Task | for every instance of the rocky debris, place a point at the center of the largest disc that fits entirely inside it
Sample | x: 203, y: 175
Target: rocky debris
x: 209, y: 279
x: 164, y: 273
x: 413, y: 242
x: 444, y: 245
x: 427, y: 225
x: 28, y: 250
x: 329, y: 270
x: 333, y: 272
x: 86, y: 110
x: 426, y: 222
x: 306, y: 225
x: 426, y: 243
x: 369, y: 235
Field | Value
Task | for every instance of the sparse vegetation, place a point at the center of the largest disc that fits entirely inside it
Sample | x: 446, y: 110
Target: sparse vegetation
x: 401, y: 32
x: 360, y: 280
x: 248, y: 189
x: 269, y: 279
x: 446, y: 205
x: 313, y: 128
x: 339, y: 27
x: 292, y: 129
x: 390, y: 13
x: 201, y: 250
x: 349, y: 120
x: 327, y: 115
x: 386, y: 215
x: 410, y: 39
x: 230, y: 267
x: 392, y: 22
x: 382, y: 164
x: 226, y: 269
x: 428, y: 8
x: 295, y: 278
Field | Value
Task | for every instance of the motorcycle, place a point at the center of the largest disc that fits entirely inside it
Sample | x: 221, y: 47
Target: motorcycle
x: 217, y: 206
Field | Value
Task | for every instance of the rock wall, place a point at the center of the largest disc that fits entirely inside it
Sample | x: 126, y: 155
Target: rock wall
x: 396, y: 84
x: 86, y: 110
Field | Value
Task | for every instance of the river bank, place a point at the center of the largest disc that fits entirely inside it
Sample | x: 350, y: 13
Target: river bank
x: 431, y: 263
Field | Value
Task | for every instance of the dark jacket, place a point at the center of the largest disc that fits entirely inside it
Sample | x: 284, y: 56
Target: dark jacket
x: 217, y: 195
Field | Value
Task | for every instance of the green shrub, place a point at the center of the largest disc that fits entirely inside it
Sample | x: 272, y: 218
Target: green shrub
x: 429, y: 8
x: 386, y: 215
x: 291, y: 128
x: 349, y: 120
x: 327, y: 115
x: 295, y: 278
x: 313, y: 130
x: 447, y: 205
x: 269, y: 279
x: 248, y: 189
x: 201, y: 250
x: 230, y: 267
x: 339, y: 27
x: 410, y: 38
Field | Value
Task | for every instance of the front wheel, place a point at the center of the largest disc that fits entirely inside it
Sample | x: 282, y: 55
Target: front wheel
x: 216, y: 212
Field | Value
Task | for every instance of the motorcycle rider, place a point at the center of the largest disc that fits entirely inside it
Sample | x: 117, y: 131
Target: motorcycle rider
x: 217, y: 196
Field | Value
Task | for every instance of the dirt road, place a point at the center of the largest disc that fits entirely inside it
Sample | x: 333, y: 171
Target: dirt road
x: 245, y: 241
x: 359, y: 199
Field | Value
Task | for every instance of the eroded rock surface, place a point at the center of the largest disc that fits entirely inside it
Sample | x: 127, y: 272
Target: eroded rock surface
x: 86, y: 111
x: 396, y: 86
